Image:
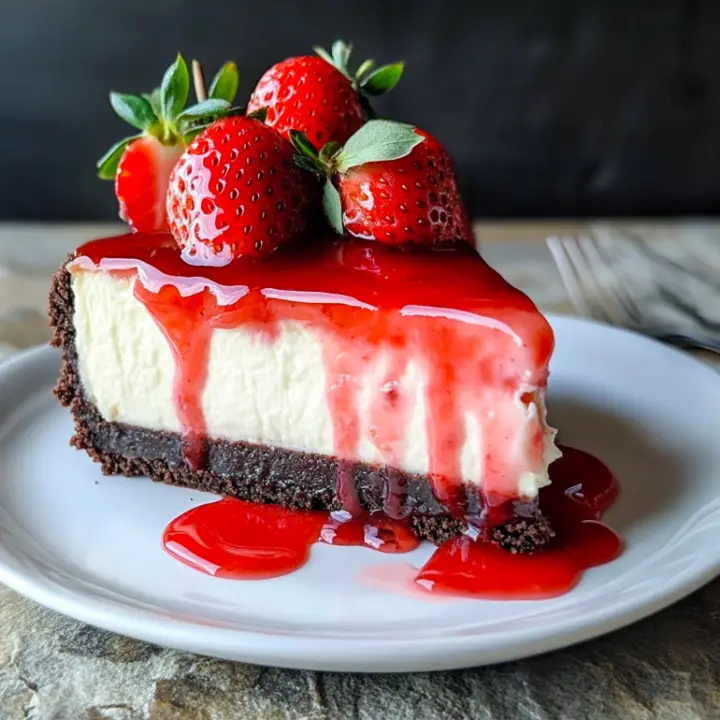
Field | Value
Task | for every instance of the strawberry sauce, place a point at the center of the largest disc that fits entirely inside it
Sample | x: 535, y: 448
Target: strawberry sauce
x: 243, y: 540
x: 235, y: 539
x: 582, y: 489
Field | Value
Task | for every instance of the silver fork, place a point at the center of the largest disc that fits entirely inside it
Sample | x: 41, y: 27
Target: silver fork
x: 600, y: 289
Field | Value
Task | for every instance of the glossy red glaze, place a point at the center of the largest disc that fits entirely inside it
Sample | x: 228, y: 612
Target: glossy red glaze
x: 582, y: 489
x: 367, y: 272
x: 477, y: 341
x: 376, y: 531
x: 236, y: 539
x: 187, y: 333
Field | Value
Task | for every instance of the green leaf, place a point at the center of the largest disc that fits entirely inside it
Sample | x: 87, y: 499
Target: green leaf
x: 214, y: 106
x: 341, y: 55
x: 305, y: 163
x: 378, y: 141
x: 107, y: 165
x: 364, y: 68
x: 324, y: 54
x: 332, y: 205
x: 329, y: 150
x: 134, y: 110
x: 225, y: 84
x: 174, y: 89
x: 154, y: 99
x: 259, y: 114
x: 303, y: 146
x: 383, y: 79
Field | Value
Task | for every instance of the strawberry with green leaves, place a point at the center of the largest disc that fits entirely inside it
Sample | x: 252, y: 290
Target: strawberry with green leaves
x: 390, y: 182
x: 237, y: 192
x: 141, y: 164
x: 320, y: 95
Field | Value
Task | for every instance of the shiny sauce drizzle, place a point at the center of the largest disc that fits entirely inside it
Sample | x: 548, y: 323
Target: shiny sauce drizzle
x: 582, y: 489
x: 235, y: 539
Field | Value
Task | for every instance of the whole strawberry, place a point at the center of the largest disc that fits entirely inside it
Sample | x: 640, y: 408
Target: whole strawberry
x: 319, y: 95
x: 141, y: 164
x: 390, y: 182
x: 236, y: 191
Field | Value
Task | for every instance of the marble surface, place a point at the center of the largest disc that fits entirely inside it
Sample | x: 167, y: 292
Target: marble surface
x: 54, y: 668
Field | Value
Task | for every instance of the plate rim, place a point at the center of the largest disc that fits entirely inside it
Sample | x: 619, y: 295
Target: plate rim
x: 371, y: 655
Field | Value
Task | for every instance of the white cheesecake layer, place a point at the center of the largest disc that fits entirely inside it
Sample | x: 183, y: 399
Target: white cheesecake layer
x: 261, y: 391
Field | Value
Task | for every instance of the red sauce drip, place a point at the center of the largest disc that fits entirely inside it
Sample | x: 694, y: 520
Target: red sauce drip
x: 242, y: 540
x: 376, y: 531
x: 582, y: 489
x: 445, y: 310
x: 188, y: 335
x: 236, y: 539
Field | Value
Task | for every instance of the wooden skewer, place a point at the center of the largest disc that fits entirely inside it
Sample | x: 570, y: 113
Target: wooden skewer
x: 199, y: 81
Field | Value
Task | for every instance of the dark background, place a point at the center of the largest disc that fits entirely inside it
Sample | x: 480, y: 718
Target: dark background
x: 550, y: 108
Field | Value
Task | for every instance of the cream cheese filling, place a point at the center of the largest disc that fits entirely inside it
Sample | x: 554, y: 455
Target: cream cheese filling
x: 269, y: 392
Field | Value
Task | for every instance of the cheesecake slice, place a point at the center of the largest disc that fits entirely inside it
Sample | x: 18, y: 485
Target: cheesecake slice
x: 339, y: 374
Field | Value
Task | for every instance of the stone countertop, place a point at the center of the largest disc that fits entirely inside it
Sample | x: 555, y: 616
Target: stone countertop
x: 54, y: 668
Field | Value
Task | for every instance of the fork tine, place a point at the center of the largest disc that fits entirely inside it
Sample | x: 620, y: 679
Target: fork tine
x: 569, y: 277
x: 627, y: 295
x: 580, y: 264
x: 588, y: 282
x: 608, y: 289
x: 604, y: 284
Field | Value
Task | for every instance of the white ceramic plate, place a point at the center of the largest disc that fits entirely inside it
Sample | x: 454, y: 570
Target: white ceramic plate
x: 89, y: 546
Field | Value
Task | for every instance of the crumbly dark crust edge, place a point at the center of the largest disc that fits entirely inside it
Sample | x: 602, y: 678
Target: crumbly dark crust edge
x: 247, y: 471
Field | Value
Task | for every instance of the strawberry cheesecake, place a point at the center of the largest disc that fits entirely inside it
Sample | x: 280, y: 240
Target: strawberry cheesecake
x: 234, y: 343
x: 339, y: 374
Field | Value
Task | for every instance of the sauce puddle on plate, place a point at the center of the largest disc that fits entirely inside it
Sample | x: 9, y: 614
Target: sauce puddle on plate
x: 236, y: 539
